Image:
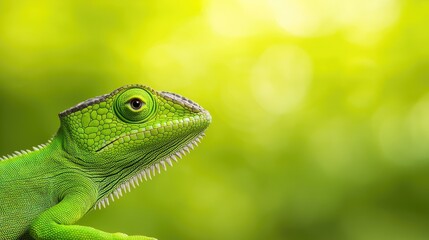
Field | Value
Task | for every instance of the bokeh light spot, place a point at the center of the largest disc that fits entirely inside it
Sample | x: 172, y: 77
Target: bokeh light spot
x: 281, y: 78
x: 299, y: 18
x: 361, y: 20
x: 418, y: 124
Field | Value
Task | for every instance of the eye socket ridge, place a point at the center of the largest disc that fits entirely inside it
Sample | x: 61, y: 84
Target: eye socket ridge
x: 136, y: 103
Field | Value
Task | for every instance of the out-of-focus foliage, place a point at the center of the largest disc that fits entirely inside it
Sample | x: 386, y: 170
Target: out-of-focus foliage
x: 320, y: 108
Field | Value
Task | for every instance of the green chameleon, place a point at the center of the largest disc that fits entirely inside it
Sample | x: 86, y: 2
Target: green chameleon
x: 104, y: 146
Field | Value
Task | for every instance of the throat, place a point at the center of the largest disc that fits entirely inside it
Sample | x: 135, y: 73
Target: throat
x: 146, y: 173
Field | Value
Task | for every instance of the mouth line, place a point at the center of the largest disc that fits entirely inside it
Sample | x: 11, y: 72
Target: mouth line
x: 100, y: 149
x: 147, y: 172
x: 180, y: 123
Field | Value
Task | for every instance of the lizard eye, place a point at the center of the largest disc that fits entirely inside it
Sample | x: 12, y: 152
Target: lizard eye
x: 135, y: 105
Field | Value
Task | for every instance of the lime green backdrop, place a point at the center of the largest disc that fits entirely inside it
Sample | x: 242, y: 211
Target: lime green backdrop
x: 320, y: 109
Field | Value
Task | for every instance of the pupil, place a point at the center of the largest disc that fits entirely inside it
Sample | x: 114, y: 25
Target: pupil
x: 136, y: 104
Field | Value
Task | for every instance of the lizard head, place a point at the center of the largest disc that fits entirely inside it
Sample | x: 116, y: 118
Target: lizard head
x: 130, y: 134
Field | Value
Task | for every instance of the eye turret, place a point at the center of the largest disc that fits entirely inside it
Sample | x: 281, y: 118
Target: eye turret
x: 135, y: 105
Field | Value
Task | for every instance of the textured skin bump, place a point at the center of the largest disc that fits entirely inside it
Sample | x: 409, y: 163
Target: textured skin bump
x: 103, y: 146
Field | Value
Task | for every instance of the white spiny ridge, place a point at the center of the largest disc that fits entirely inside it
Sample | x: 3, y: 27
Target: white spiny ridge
x: 168, y: 160
x: 24, y: 152
x: 157, y: 168
x: 148, y: 172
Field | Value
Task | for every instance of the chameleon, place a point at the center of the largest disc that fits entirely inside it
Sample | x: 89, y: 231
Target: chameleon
x: 104, y: 147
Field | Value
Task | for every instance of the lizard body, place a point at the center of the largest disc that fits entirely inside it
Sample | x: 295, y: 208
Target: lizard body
x: 104, y: 146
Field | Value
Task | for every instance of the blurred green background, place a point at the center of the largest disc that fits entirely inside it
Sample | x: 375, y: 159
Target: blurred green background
x: 320, y: 109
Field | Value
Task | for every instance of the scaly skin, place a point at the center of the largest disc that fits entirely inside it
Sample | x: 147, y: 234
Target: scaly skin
x: 103, y: 146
